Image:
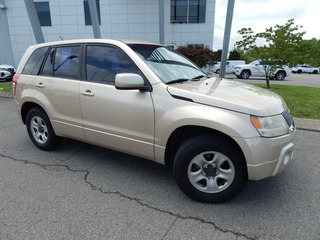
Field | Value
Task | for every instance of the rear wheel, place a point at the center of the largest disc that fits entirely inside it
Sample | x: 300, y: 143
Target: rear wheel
x: 209, y: 169
x: 218, y: 71
x: 40, y: 130
x: 315, y: 72
x: 245, y: 74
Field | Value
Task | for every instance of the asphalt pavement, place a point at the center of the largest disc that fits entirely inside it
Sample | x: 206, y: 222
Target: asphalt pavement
x: 80, y: 191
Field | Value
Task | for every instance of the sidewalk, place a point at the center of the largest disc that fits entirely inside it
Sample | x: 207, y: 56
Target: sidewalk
x: 301, y: 123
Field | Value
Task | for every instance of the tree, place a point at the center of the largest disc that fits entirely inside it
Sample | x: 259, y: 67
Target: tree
x: 281, y: 45
x: 309, y: 52
x: 234, y: 55
x: 200, y: 56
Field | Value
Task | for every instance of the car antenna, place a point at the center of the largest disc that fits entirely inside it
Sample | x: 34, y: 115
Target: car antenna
x: 60, y: 37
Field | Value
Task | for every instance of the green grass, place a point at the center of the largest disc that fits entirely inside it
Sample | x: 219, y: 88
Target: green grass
x: 303, y: 102
x: 6, y: 87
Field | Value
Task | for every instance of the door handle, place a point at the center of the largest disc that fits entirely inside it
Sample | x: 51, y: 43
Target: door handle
x: 40, y: 85
x: 87, y: 93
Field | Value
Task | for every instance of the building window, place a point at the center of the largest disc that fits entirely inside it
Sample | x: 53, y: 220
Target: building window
x: 87, y: 15
x: 43, y: 11
x: 188, y: 11
x: 196, y: 46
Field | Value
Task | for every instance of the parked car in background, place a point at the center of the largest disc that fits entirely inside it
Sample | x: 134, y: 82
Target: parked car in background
x: 305, y: 69
x: 257, y: 69
x: 6, y: 72
x: 150, y: 101
x: 229, y: 67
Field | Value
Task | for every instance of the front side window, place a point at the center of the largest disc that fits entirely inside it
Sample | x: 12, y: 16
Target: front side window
x: 87, y: 15
x: 103, y: 63
x: 34, y: 62
x: 62, y: 62
x: 166, y: 63
x: 188, y: 11
x: 43, y: 11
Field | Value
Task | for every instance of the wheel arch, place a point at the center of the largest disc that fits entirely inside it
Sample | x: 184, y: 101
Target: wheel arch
x: 26, y: 107
x: 181, y: 134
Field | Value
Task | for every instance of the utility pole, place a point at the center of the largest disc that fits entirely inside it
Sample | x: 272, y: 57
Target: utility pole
x: 161, y: 21
x: 94, y: 18
x: 226, y: 38
x: 35, y: 23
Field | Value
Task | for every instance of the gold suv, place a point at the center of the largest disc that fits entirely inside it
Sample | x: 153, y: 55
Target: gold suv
x: 149, y: 101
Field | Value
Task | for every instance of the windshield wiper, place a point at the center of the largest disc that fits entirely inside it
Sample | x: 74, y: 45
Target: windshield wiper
x: 199, y: 77
x: 180, y: 80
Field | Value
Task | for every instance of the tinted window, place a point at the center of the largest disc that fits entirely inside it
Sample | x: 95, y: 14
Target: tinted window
x: 48, y: 66
x: 62, y: 62
x: 66, y: 62
x: 103, y: 63
x: 34, y: 62
x: 43, y: 11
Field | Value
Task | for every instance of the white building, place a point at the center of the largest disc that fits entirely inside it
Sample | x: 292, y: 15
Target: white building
x: 186, y: 22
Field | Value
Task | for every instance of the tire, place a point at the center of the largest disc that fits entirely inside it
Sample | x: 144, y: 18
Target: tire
x: 218, y: 71
x: 299, y: 71
x: 245, y: 74
x: 281, y: 75
x: 315, y: 72
x: 40, y: 130
x: 209, y: 169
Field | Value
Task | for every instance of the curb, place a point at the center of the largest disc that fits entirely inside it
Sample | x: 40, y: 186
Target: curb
x: 307, y: 124
x: 301, y: 123
x: 6, y: 94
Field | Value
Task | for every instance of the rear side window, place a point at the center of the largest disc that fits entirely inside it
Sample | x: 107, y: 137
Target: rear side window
x: 34, y: 62
x: 103, y: 63
x: 62, y: 62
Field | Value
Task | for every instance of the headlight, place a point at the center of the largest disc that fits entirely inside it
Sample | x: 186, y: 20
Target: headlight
x: 270, y: 126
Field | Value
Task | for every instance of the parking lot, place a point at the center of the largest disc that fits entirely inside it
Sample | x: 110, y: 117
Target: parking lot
x: 304, y: 79
x: 80, y: 191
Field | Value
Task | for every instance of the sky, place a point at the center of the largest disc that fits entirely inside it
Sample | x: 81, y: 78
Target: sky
x: 262, y: 14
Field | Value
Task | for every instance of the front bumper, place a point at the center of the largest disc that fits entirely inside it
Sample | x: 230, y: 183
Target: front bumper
x: 267, y: 157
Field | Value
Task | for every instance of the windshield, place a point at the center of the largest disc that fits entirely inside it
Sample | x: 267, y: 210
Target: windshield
x: 167, y: 64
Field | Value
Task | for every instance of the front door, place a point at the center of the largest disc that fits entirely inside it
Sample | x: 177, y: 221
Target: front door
x: 117, y: 119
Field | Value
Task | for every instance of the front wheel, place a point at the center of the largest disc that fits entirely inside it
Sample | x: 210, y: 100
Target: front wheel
x: 218, y: 71
x: 315, y: 72
x: 245, y: 74
x: 209, y: 169
x: 280, y: 75
x: 40, y: 130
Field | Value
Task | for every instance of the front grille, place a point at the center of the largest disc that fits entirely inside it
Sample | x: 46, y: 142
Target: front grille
x: 287, y: 116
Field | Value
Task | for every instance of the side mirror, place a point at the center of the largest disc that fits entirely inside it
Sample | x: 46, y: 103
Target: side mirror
x: 129, y: 81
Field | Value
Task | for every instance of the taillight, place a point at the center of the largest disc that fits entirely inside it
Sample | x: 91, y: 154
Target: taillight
x: 14, y: 83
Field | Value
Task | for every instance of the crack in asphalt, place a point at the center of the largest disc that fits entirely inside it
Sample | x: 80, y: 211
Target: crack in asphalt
x: 56, y: 167
x: 170, y: 227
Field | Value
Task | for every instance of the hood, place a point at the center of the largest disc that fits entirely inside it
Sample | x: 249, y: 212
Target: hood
x: 5, y: 66
x: 232, y: 95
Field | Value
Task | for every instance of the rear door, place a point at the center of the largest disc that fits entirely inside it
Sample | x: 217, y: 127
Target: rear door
x: 57, y: 88
x: 118, y: 119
